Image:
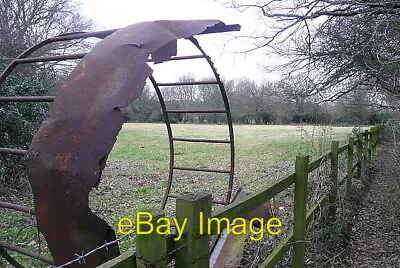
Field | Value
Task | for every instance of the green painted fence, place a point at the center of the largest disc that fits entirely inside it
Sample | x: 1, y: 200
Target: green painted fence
x: 193, y: 247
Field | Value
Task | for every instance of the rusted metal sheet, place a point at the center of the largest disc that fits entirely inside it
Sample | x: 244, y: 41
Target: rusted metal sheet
x: 68, y: 153
x: 228, y: 248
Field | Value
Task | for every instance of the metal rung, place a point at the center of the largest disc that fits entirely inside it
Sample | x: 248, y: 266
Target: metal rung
x: 212, y: 82
x: 219, y: 202
x: 197, y: 111
x: 182, y: 58
x: 27, y: 99
x: 81, y: 55
x: 203, y: 170
x: 51, y: 58
x: 17, y: 207
x: 12, y: 151
x: 26, y: 252
x: 213, y: 201
x: 201, y: 140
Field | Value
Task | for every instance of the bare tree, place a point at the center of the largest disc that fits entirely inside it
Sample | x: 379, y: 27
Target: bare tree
x: 183, y: 96
x: 340, y: 45
x: 25, y: 23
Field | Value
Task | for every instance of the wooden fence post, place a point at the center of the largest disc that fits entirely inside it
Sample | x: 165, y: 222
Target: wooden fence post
x: 374, y: 140
x: 370, y: 144
x: 151, y: 247
x: 334, y: 178
x: 194, y: 246
x: 300, y: 210
x: 359, y: 155
x: 366, y: 145
x: 350, y: 155
x: 379, y: 135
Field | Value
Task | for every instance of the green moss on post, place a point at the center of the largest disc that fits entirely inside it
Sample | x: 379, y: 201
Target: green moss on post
x: 359, y: 155
x: 379, y: 134
x: 194, y: 247
x: 374, y: 139
x: 334, y: 178
x: 349, y: 177
x: 300, y: 210
x: 365, y: 145
x: 151, y: 247
x: 370, y: 144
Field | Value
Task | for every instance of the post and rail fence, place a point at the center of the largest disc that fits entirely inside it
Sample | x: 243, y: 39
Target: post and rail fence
x: 155, y: 247
x: 193, y: 247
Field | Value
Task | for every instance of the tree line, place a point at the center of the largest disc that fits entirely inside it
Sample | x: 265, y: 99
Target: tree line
x: 281, y: 102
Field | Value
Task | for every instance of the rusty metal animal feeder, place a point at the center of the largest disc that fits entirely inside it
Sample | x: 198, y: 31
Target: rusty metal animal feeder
x: 69, y: 151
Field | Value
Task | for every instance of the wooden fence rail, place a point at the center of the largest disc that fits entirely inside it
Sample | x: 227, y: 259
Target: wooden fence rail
x: 191, y: 248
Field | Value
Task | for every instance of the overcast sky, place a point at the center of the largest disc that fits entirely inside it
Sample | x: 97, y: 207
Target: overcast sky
x: 119, y: 13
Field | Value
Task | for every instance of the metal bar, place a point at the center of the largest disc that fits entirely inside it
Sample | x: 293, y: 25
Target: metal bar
x: 51, y: 58
x: 213, y: 201
x: 203, y: 170
x: 81, y: 55
x: 97, y: 34
x: 171, y: 142
x: 201, y: 140
x: 196, y: 111
x: 182, y: 58
x: 17, y: 207
x: 11, y: 260
x: 12, y: 151
x: 219, y: 202
x: 27, y: 99
x: 65, y: 37
x: 227, y: 109
x: 26, y: 252
x: 72, y: 36
x: 210, y: 82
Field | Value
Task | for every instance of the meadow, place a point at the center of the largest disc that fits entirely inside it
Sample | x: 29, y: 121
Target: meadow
x: 137, y: 168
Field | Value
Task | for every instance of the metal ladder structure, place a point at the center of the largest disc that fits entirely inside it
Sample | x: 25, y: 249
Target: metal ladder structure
x: 24, y: 58
x: 166, y: 113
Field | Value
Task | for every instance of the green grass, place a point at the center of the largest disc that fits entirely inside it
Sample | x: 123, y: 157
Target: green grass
x: 256, y: 146
x: 137, y: 168
x: 258, y: 150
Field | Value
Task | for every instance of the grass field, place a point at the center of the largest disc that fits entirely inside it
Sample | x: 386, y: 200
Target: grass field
x: 137, y: 169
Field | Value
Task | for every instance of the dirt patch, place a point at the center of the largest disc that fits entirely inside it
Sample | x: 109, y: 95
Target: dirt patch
x: 375, y: 238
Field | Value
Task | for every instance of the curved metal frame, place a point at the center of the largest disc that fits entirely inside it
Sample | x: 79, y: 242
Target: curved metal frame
x: 23, y: 58
x: 170, y: 135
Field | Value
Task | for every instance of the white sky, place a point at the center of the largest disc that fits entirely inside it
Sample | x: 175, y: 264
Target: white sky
x: 119, y: 13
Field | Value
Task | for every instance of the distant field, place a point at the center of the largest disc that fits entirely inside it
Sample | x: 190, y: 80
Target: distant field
x: 257, y: 146
x: 137, y: 168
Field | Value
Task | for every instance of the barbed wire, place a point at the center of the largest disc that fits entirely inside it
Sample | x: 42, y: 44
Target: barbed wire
x: 81, y: 258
